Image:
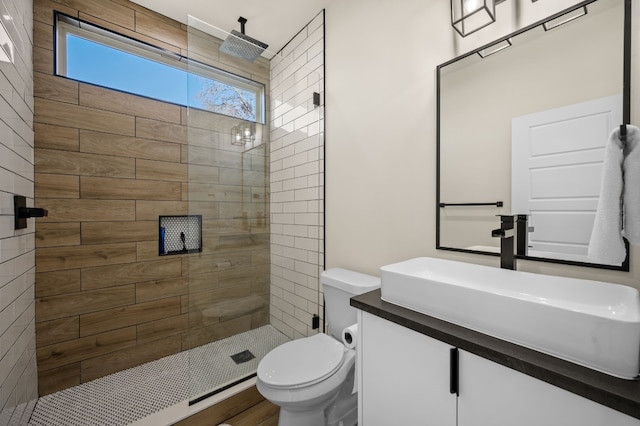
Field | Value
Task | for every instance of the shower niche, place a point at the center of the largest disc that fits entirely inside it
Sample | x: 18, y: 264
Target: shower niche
x: 179, y: 234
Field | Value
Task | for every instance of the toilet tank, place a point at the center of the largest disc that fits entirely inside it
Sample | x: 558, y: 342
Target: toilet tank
x: 339, y: 285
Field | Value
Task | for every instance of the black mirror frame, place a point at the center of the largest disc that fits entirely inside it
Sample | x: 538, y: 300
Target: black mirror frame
x: 626, y: 116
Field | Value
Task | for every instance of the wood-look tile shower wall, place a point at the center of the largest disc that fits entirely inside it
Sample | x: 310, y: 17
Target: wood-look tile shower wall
x: 107, y: 165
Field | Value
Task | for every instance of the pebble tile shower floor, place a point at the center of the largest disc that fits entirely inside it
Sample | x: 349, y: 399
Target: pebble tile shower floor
x: 130, y: 395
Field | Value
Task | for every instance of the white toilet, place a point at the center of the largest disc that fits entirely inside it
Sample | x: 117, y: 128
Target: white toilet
x: 312, y: 379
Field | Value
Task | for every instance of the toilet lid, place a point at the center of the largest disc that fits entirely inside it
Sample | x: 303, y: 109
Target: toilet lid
x: 301, y: 362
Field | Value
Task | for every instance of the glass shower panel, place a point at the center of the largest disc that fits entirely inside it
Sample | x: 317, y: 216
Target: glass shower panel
x: 228, y: 301
x: 229, y: 162
x: 297, y: 181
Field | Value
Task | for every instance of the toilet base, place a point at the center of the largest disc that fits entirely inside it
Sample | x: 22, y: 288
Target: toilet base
x: 343, y: 412
x: 301, y: 418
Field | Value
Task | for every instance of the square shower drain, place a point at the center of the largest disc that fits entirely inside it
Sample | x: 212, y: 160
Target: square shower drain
x: 242, y: 357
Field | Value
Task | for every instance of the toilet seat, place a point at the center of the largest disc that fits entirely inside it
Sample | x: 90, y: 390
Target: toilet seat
x: 301, y: 362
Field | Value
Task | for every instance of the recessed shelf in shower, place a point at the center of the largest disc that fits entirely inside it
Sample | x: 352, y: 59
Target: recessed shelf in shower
x: 179, y: 234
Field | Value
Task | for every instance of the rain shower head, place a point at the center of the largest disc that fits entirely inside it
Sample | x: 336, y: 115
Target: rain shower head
x: 242, y: 46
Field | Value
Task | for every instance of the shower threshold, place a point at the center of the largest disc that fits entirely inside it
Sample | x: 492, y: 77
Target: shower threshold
x: 182, y: 379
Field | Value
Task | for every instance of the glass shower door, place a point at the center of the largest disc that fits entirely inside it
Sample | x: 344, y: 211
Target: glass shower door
x: 255, y: 158
x: 228, y: 185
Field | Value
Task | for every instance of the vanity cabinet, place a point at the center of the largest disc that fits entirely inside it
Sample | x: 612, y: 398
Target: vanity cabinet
x: 405, y: 379
x: 491, y: 394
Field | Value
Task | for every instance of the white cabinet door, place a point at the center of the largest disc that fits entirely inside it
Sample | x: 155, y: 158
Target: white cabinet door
x: 405, y: 376
x: 494, y: 395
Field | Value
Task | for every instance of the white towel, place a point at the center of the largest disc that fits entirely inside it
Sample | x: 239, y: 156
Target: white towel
x: 631, y: 192
x: 606, y: 245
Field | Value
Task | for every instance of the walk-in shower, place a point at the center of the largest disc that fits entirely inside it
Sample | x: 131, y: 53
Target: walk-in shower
x: 246, y: 235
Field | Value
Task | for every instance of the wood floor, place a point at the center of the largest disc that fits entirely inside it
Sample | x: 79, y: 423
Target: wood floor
x: 248, y: 408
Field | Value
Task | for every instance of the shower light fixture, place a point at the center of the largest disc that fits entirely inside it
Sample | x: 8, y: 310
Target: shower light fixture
x: 469, y: 16
x: 243, y: 133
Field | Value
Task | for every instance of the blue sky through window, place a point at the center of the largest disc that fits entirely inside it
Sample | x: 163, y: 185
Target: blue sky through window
x: 105, y: 66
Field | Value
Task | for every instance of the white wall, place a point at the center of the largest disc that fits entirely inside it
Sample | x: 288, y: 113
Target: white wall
x: 18, y: 376
x: 380, y: 129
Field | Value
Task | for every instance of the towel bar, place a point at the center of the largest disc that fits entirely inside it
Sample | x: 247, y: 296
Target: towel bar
x: 496, y: 203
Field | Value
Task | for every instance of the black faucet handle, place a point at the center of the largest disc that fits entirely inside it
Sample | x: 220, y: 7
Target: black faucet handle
x: 502, y: 233
x: 22, y: 212
x: 27, y: 212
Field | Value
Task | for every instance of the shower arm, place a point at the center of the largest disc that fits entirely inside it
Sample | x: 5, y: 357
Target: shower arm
x: 242, y: 22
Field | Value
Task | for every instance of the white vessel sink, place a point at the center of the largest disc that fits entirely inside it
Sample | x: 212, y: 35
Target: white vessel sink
x: 592, y: 323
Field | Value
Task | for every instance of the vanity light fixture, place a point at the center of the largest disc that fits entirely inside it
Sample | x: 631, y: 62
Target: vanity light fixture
x: 494, y: 48
x: 469, y: 16
x: 563, y: 19
x: 243, y: 133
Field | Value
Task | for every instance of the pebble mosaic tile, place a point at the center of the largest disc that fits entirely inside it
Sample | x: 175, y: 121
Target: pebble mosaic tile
x: 127, y: 396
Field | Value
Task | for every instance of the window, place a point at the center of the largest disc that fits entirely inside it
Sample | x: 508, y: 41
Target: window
x: 97, y: 56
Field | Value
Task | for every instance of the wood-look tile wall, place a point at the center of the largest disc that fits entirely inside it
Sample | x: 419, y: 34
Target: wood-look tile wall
x: 107, y: 164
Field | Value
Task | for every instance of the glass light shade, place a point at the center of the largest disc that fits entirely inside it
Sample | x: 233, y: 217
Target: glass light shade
x: 243, y: 133
x: 469, y: 16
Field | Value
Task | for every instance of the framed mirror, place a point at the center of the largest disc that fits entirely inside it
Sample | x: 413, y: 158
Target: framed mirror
x: 522, y: 125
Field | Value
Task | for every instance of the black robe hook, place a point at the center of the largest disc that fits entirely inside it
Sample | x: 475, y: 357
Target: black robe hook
x: 623, y: 133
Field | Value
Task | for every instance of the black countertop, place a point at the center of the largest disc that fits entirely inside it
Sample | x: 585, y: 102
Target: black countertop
x: 620, y: 394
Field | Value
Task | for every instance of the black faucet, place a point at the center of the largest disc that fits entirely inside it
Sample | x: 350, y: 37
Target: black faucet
x: 505, y: 233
